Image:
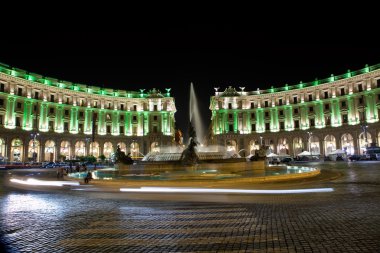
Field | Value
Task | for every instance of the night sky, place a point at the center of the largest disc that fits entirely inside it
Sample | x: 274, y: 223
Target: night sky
x: 162, y: 57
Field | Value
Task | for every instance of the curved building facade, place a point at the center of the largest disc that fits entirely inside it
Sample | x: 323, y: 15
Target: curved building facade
x: 45, y: 119
x: 339, y: 112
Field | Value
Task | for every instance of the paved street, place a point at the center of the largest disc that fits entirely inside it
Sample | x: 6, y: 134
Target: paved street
x: 345, y: 220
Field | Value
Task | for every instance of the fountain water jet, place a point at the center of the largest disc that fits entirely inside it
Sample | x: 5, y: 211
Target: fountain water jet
x: 195, y: 115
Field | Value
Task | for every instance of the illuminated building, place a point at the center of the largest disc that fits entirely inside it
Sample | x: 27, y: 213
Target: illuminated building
x: 45, y: 119
x: 339, y: 112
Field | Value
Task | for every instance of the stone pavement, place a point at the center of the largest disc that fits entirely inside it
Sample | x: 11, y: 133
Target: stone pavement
x: 346, y: 220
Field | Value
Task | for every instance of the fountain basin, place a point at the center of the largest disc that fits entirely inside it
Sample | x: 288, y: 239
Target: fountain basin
x: 241, y: 171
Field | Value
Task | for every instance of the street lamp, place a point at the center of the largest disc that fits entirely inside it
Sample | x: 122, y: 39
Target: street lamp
x: 261, y: 140
x: 34, y: 153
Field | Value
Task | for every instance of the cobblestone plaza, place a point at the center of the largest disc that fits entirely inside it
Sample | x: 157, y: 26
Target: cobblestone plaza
x: 345, y: 220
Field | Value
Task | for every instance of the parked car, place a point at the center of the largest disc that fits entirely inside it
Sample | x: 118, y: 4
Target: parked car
x: 287, y: 160
x: 355, y: 157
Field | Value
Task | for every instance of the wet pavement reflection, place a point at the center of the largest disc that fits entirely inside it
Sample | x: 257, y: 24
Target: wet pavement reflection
x: 346, y: 220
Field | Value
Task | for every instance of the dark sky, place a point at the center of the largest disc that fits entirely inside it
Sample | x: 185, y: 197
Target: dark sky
x: 208, y: 55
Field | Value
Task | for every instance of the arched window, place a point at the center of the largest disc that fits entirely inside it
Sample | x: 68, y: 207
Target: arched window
x: 108, y: 149
x: 330, y: 144
x: 2, y: 150
x: 283, y: 146
x: 231, y: 146
x: 154, y: 147
x: 16, y: 150
x: 135, y: 149
x: 80, y: 148
x: 314, y: 146
x: 348, y: 144
x: 94, y: 149
x: 297, y: 146
x: 254, y: 145
x: 364, y: 143
x: 65, y: 149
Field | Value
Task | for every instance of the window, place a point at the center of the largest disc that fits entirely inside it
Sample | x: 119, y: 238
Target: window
x: 154, y: 107
x: 155, y: 118
x: 95, y: 104
x: 282, y: 125
x: 51, y: 125
x: 35, y: 108
x: 266, y: 114
x: 80, y: 128
x: 230, y: 128
x: 1, y: 102
x: 19, y: 91
x: 135, y: 107
x: 326, y: 94
x: 67, y: 100
x: 378, y: 97
x: 51, y: 110
x: 361, y: 100
x: 134, y: 118
x: 229, y: 106
x: 312, y: 122
x: 296, y: 124
x: 18, y: 105
x: 344, y: 104
x: 230, y: 116
x: 2, y: 88
x: 360, y: 87
x: 267, y: 126
x: 310, y: 97
x: 66, y: 126
x: 108, y: 117
x: 81, y: 114
x: 121, y: 130
x: 18, y: 122
x: 266, y: 103
x: 345, y: 118
x: 155, y: 129
x: 109, y: 105
x: 1, y: 119
x: 281, y: 112
x: 66, y: 112
x: 122, y: 107
x: 342, y: 92
x: 295, y: 100
x: 377, y: 83
x: 121, y: 117
x: 252, y: 105
x: 108, y: 129
x: 328, y: 121
x: 51, y: 98
x: 311, y: 109
x: 36, y: 95
x: 327, y: 107
x: 280, y: 101
x: 296, y: 111
x: 253, y: 115
x: 253, y: 127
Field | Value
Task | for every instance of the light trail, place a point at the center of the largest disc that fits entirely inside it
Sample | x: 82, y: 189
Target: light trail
x: 32, y: 181
x: 204, y: 190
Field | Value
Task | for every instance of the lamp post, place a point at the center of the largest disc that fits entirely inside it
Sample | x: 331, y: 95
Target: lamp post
x: 34, y: 153
x: 261, y: 140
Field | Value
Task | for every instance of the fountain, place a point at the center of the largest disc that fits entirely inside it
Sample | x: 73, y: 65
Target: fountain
x: 193, y: 162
